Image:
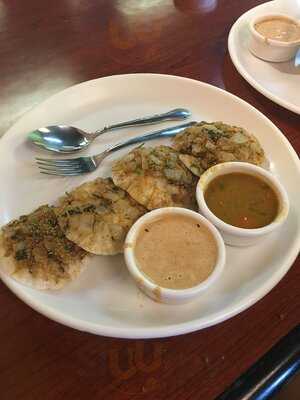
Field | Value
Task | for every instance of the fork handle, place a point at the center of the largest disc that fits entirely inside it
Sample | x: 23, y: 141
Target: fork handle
x: 167, y: 132
x: 173, y: 115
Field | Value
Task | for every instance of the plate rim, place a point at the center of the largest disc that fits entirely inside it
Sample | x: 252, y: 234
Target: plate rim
x: 171, y: 329
x: 244, y: 73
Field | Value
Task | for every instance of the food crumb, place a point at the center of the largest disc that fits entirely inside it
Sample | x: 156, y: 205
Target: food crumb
x: 206, y: 360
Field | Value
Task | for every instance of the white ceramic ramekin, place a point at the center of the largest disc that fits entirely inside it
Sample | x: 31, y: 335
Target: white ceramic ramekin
x: 150, y: 288
x: 269, y: 49
x: 233, y: 235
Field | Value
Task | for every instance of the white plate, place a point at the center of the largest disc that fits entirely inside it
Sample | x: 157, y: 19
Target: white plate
x: 104, y: 300
x: 279, y: 82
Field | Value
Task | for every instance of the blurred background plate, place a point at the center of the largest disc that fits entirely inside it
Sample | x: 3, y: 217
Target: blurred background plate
x: 280, y: 82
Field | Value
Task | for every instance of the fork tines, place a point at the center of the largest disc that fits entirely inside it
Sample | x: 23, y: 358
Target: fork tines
x: 63, y: 167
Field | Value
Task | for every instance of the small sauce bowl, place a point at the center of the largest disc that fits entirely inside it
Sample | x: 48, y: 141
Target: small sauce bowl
x: 234, y: 235
x: 148, y: 286
x: 269, y: 49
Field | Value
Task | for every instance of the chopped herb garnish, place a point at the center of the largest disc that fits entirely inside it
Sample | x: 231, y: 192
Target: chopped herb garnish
x: 89, y: 208
x: 52, y: 222
x: 21, y: 255
x: 138, y: 171
x: 214, y: 135
x: 74, y: 211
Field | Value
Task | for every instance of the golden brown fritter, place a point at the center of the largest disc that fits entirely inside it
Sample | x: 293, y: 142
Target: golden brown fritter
x: 34, y: 251
x: 97, y: 216
x: 155, y: 177
x: 206, y: 144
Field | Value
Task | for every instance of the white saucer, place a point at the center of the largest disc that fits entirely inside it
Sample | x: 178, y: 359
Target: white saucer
x: 279, y: 82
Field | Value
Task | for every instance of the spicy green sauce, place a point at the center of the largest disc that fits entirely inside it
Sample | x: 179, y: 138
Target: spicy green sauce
x: 242, y: 200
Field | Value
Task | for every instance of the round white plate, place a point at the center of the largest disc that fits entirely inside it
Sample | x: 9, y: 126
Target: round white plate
x: 105, y: 300
x: 279, y: 82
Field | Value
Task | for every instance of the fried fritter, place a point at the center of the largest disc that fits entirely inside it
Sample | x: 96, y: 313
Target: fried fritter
x: 206, y: 144
x: 35, y: 252
x: 97, y: 216
x: 155, y: 177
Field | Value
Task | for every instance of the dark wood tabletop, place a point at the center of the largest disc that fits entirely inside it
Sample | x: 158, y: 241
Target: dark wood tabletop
x: 46, y: 46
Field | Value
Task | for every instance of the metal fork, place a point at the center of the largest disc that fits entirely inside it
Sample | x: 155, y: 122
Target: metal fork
x: 82, y: 165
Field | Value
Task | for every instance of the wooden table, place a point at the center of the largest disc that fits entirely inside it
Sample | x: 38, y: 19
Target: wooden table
x: 46, y: 46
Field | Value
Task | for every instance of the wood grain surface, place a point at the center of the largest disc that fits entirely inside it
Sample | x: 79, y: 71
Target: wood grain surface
x: 46, y: 46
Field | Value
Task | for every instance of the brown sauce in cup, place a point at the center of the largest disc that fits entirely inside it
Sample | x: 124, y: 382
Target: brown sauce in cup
x: 176, y: 251
x: 280, y: 29
x: 242, y: 200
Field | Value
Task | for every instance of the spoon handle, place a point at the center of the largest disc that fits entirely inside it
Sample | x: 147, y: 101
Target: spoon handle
x: 173, y: 115
x: 167, y: 132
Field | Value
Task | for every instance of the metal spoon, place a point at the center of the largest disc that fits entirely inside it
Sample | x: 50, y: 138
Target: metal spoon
x: 68, y: 139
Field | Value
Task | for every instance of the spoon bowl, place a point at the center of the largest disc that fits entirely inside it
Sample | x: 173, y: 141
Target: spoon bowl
x: 60, y: 138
